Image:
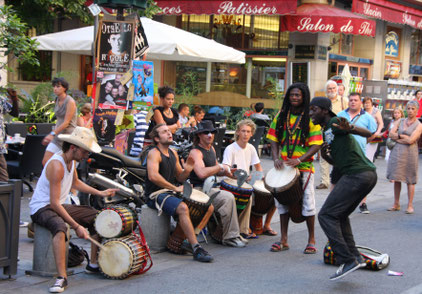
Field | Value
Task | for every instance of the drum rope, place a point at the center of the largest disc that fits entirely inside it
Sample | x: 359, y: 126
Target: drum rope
x: 143, y: 242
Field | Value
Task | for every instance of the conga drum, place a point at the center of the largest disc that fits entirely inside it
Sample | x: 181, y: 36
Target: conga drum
x: 242, y: 194
x: 121, y: 257
x: 286, y: 187
x: 215, y: 227
x: 264, y: 200
x: 198, y: 204
x: 115, y: 221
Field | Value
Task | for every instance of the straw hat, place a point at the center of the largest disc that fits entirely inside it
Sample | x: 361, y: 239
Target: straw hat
x: 82, y: 137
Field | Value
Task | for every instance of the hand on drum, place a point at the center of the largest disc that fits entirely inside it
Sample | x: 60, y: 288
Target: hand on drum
x: 293, y: 162
x: 278, y: 163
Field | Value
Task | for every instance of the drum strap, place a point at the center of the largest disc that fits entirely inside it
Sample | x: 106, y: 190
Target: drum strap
x: 307, y: 181
x: 143, y: 242
x: 154, y: 196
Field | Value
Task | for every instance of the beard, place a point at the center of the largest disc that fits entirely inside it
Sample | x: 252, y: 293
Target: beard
x: 331, y: 95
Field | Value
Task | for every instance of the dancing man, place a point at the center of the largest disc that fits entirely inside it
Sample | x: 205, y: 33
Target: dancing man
x: 294, y: 141
x: 357, y: 179
x: 164, y: 172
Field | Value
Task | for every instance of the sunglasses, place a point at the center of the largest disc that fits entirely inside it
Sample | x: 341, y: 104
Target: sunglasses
x: 209, y: 132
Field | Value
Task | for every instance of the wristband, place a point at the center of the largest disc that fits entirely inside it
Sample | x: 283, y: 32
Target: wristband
x: 298, y: 159
x: 223, y: 167
x: 53, y: 133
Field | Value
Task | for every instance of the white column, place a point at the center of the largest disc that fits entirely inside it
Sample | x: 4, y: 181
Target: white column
x: 249, y: 77
x: 208, y: 78
x: 3, y: 59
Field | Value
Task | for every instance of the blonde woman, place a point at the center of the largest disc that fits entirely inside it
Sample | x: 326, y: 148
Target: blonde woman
x: 397, y: 115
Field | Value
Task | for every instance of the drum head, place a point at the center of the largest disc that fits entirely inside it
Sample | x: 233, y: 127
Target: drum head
x: 199, y: 196
x: 277, y: 178
x: 108, y: 223
x: 115, y: 260
x: 259, y: 186
x: 233, y: 182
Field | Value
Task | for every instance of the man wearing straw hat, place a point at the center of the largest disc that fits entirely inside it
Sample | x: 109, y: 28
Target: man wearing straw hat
x: 47, y: 203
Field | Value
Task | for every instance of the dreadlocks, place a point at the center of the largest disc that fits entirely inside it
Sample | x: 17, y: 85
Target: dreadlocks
x: 282, y: 116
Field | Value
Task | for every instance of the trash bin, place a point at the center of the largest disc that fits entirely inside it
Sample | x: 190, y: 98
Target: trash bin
x: 10, y: 202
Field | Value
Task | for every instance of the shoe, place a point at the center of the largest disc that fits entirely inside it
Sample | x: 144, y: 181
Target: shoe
x: 344, y: 269
x: 92, y: 270
x: 243, y: 240
x: 187, y: 246
x: 364, y: 209
x: 200, y: 254
x: 59, y: 285
x: 321, y: 186
x: 361, y: 261
x: 23, y: 224
x: 234, y: 242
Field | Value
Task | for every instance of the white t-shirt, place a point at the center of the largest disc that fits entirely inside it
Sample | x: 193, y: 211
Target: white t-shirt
x: 243, y: 158
x: 41, y: 196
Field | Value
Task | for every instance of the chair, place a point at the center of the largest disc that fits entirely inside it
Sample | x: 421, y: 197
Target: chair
x: 218, y: 143
x: 44, y: 128
x: 29, y: 161
x: 256, y: 138
x: 16, y: 128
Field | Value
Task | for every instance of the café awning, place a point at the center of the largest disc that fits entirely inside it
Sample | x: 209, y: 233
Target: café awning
x: 389, y: 11
x: 236, y: 7
x: 324, y: 18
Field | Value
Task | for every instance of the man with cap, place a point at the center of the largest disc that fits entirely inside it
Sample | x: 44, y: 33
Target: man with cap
x: 164, y: 174
x: 205, y: 166
x: 48, y: 208
x: 357, y: 179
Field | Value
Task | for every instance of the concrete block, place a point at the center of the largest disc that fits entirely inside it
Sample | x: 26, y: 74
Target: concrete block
x: 156, y: 228
x: 43, y: 260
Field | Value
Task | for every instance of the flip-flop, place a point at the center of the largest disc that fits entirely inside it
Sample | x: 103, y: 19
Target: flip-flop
x: 277, y: 247
x: 394, y: 208
x: 310, y: 249
x: 249, y: 236
x: 410, y: 211
x: 269, y: 232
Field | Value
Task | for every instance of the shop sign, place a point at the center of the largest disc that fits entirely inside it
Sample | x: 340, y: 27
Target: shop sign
x: 236, y: 7
x: 304, y: 52
x: 322, y: 53
x: 392, y: 69
x: 392, y: 44
x: 389, y: 11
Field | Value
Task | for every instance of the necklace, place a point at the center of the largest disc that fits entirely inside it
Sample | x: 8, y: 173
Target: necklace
x: 295, y: 126
x: 168, y: 112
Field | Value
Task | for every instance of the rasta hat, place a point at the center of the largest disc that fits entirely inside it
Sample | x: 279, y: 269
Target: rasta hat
x: 205, y: 126
x: 82, y: 137
x: 323, y: 103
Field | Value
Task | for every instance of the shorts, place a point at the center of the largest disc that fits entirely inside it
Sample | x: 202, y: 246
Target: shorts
x: 53, y: 148
x: 170, y: 205
x: 308, y: 205
x: 82, y: 214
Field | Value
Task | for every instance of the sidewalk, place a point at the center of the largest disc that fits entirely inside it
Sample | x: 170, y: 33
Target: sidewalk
x: 380, y: 199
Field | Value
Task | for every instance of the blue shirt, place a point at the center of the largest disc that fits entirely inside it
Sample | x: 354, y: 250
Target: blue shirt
x: 363, y: 120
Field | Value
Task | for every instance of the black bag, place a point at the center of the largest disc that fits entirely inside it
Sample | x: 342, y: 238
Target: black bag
x: 76, y: 255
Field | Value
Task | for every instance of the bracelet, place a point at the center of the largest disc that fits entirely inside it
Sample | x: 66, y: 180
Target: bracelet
x: 298, y: 159
x: 222, y: 167
x: 53, y: 133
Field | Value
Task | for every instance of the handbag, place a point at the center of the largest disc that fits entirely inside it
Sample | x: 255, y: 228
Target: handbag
x: 390, y: 143
x: 76, y: 255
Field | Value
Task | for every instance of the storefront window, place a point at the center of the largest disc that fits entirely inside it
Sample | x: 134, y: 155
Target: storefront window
x: 228, y: 77
x: 265, y: 70
x: 341, y: 44
x: 34, y: 73
x: 190, y: 77
x: 416, y: 47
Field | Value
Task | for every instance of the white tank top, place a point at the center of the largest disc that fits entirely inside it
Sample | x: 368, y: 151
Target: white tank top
x: 41, y: 196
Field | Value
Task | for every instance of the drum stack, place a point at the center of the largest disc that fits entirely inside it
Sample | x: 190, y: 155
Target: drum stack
x: 264, y: 201
x: 124, y: 252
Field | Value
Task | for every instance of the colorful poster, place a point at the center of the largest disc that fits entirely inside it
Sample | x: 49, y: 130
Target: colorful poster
x: 104, y: 127
x: 115, y: 46
x: 113, y: 94
x: 143, y: 81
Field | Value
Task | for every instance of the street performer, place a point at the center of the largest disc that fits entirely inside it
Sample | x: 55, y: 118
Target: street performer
x: 294, y: 141
x: 357, y: 179
x: 206, y: 165
x: 52, y: 191
x: 164, y: 172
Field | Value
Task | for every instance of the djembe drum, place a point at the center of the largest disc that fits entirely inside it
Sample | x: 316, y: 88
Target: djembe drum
x: 264, y: 201
x: 198, y: 204
x: 242, y: 194
x: 115, y: 221
x: 286, y: 187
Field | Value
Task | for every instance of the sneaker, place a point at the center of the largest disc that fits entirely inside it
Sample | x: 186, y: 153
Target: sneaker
x: 243, y: 240
x: 344, y: 269
x: 59, y: 285
x: 200, y: 254
x: 234, y: 242
x: 361, y: 261
x: 92, y: 269
x: 321, y: 186
x: 187, y: 246
x: 364, y: 209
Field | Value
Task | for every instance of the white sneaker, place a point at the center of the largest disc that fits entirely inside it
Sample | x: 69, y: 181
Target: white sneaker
x: 59, y: 285
x: 234, y: 242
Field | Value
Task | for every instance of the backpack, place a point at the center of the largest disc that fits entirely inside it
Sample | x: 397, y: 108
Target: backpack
x: 76, y: 255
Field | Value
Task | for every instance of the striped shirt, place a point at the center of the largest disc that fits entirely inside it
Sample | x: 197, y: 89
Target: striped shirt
x: 141, y: 127
x: 314, y: 138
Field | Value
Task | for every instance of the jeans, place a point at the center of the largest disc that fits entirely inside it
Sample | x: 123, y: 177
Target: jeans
x: 334, y: 215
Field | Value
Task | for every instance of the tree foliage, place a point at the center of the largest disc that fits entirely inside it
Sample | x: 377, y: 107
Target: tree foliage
x: 13, y: 39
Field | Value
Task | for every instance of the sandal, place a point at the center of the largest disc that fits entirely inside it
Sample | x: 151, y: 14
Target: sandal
x: 277, y: 247
x: 394, y: 208
x: 249, y: 236
x: 310, y: 249
x: 269, y: 232
x: 410, y: 211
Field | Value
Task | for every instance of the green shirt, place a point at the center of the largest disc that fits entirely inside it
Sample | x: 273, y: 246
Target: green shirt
x: 346, y: 153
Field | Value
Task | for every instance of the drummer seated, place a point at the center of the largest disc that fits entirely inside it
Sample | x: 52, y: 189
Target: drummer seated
x: 47, y: 203
x: 242, y: 155
x: 164, y: 172
x: 206, y: 165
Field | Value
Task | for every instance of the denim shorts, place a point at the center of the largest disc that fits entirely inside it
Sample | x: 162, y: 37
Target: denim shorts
x: 170, y: 205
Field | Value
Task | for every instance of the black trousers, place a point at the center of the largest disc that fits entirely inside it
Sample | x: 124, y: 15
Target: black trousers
x: 334, y: 214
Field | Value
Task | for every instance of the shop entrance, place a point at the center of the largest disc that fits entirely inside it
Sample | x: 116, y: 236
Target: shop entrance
x: 356, y: 69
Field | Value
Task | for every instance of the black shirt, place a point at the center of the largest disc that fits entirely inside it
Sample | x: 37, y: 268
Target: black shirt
x: 167, y: 170
x: 209, y: 160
